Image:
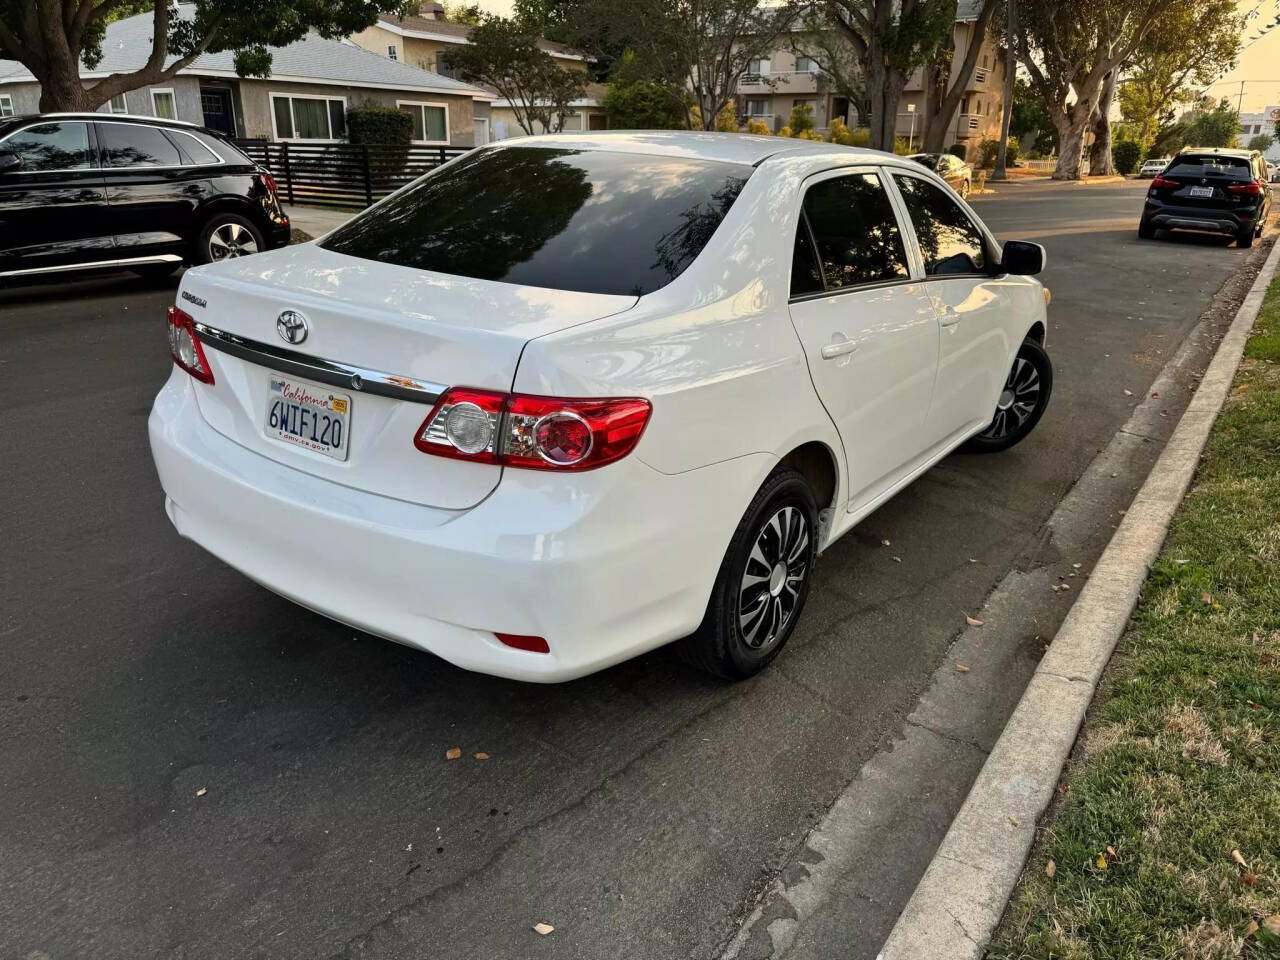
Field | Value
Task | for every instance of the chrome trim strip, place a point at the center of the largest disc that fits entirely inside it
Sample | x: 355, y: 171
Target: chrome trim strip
x: 94, y: 265
x: 329, y: 372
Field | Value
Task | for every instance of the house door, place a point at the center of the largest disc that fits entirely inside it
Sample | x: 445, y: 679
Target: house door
x: 215, y: 103
x: 482, y: 131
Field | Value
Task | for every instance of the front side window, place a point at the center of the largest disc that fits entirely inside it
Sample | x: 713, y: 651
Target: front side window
x: 309, y: 118
x: 855, y: 231
x: 806, y: 277
x: 52, y: 146
x: 949, y: 241
x: 585, y: 220
x: 430, y: 121
x: 133, y: 145
x: 163, y: 104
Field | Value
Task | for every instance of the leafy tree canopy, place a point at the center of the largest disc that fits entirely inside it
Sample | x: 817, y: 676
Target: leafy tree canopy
x: 1216, y: 126
x: 1261, y: 141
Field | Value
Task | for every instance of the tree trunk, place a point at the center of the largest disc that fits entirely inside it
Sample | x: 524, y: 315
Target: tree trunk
x: 885, y: 86
x: 1070, y: 148
x: 1100, y: 163
x: 62, y: 92
x: 1010, y: 68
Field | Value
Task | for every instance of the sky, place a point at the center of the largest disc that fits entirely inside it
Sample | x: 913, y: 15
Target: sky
x: 1259, y: 65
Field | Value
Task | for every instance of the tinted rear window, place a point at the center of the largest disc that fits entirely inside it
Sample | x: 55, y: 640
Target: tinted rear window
x: 1209, y: 165
x: 584, y: 220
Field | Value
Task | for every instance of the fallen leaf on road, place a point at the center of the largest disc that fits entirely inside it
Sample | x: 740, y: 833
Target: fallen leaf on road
x: 1075, y: 566
x: 482, y: 756
x: 972, y: 621
x: 202, y: 791
x: 961, y: 668
x: 1050, y: 869
x: 542, y: 929
x: 1111, y: 852
x: 884, y: 543
x: 1128, y: 393
x: 453, y: 753
x: 897, y: 559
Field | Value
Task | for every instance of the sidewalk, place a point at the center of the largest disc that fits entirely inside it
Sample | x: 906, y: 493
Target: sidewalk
x: 317, y: 221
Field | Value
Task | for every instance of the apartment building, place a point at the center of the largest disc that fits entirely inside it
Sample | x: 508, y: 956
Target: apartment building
x: 775, y: 84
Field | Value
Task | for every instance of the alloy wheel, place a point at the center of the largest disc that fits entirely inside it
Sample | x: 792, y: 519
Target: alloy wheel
x: 771, y: 584
x: 1017, y: 400
x: 231, y: 240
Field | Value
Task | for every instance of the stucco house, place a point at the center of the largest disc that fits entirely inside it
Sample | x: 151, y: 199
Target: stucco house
x: 312, y: 84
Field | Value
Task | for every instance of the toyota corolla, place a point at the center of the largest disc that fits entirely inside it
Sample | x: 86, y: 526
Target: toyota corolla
x: 569, y: 398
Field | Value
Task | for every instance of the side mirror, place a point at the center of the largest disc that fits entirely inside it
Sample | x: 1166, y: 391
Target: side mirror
x: 1022, y: 258
x: 9, y: 161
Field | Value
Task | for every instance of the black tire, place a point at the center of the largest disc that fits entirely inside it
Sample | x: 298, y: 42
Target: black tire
x: 1031, y: 379
x: 782, y: 517
x: 156, y: 271
x: 223, y: 237
x: 1244, y: 239
x: 965, y: 187
x: 1146, y: 231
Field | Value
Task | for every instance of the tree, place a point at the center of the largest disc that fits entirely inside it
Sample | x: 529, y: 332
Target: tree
x: 1213, y: 126
x: 635, y: 101
x: 944, y: 86
x: 53, y: 38
x: 1126, y: 155
x: 1100, y: 161
x: 1261, y: 142
x: 1192, y: 46
x: 1010, y: 69
x: 705, y: 45
x: 505, y: 55
x: 1029, y: 121
x: 463, y: 12
x: 890, y: 39
x: 801, y: 119
x: 1068, y: 48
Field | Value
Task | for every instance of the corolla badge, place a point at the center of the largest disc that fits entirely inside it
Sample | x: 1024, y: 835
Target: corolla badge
x: 292, y: 327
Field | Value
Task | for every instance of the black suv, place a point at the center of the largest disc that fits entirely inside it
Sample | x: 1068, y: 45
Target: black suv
x: 87, y: 191
x: 1210, y: 188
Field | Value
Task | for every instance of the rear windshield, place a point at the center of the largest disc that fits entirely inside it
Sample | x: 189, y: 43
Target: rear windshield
x: 1209, y: 165
x: 584, y: 220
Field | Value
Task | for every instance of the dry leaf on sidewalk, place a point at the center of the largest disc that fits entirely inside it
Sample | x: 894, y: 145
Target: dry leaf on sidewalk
x: 453, y: 753
x: 202, y: 791
x: 961, y: 668
x: 542, y: 929
x: 482, y: 756
x: 972, y: 621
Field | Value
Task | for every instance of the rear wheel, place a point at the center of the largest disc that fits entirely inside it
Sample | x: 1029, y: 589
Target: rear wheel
x: 1244, y: 239
x: 1022, y: 402
x: 226, y: 236
x: 763, y: 582
x: 1146, y: 231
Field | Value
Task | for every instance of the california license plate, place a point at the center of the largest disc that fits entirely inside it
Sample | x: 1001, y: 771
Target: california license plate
x: 1202, y: 191
x: 309, y: 415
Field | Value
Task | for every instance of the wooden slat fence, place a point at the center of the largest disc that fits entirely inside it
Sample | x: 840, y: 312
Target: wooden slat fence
x: 343, y: 174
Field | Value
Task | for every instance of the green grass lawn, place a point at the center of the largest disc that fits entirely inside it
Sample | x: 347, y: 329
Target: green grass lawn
x: 1179, y: 762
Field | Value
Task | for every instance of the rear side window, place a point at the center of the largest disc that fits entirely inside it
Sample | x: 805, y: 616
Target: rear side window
x: 949, y: 241
x: 1208, y: 165
x: 805, y: 275
x: 133, y: 145
x: 52, y: 146
x: 855, y: 231
x: 195, y: 150
x: 584, y: 220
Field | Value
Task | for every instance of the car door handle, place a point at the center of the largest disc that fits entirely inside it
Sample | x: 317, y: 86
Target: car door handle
x: 838, y: 347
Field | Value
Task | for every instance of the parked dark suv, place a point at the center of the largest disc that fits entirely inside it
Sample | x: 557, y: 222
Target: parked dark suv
x: 1210, y: 188
x: 86, y: 191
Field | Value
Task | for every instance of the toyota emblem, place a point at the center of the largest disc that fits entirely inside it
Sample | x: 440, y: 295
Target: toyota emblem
x: 292, y: 327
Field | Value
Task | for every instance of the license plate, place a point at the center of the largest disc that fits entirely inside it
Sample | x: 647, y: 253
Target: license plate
x: 309, y: 415
x: 1202, y: 191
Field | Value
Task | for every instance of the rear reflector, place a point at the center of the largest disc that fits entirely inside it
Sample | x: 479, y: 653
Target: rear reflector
x: 532, y: 644
x: 1252, y: 189
x: 1163, y: 183
x: 185, y: 348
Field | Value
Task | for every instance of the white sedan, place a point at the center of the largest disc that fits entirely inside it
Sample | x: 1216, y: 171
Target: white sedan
x: 569, y: 398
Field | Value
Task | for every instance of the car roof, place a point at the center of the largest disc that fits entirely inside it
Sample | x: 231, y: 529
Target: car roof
x: 1224, y: 151
x: 742, y: 148
x: 92, y: 115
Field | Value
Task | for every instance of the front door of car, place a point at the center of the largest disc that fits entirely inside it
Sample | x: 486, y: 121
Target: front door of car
x: 152, y: 189
x: 53, y: 209
x: 867, y: 325
x: 974, y: 346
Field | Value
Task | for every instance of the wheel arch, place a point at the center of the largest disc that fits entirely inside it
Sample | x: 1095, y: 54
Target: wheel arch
x: 1037, y: 332
x: 816, y: 462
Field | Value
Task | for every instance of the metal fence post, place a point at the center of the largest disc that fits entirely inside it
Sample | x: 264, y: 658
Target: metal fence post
x: 288, y: 173
x: 368, y: 179
x: 442, y: 154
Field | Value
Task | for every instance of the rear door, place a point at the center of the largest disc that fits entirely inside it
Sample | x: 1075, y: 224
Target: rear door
x: 53, y: 208
x: 974, y: 349
x: 867, y: 325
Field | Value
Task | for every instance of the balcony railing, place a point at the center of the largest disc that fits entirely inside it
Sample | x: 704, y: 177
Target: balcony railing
x: 980, y: 75
x: 787, y: 81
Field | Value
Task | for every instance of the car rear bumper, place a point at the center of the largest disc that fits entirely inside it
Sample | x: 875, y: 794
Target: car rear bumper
x: 1197, y: 218
x: 604, y: 565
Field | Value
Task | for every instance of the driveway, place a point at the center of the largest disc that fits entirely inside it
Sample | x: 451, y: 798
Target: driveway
x: 193, y: 767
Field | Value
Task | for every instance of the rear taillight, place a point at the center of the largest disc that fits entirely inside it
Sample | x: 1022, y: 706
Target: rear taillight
x: 269, y: 182
x: 186, y: 349
x: 1251, y: 189
x: 539, y: 433
x: 1163, y: 183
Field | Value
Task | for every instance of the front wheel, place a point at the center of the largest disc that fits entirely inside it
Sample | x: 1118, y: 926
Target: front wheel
x: 1022, y: 402
x: 763, y: 582
x: 226, y: 236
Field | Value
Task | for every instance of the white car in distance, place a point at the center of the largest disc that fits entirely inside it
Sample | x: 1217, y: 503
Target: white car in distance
x: 1151, y: 167
x: 569, y: 398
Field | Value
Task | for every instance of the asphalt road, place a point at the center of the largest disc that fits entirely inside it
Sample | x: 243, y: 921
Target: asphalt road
x: 191, y: 767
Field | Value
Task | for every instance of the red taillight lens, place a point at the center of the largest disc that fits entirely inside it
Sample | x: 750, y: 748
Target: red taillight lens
x: 540, y: 433
x: 185, y: 347
x: 269, y: 182
x: 1252, y: 189
x: 522, y: 642
x: 1163, y: 183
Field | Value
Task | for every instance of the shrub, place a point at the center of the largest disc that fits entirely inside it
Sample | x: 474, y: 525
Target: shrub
x: 840, y: 133
x: 807, y: 135
x: 375, y: 124
x: 643, y: 106
x: 801, y: 118
x: 784, y: 131
x: 987, y: 153
x: 758, y: 127
x: 727, y: 118
x: 1125, y: 154
x: 1011, y: 151
x: 958, y: 150
x: 901, y: 146
x: 860, y: 137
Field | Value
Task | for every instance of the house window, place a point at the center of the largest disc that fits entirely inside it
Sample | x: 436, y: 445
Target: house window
x: 309, y: 118
x: 985, y: 62
x: 806, y: 65
x: 163, y: 104
x: 118, y: 105
x: 430, y: 120
x: 572, y: 122
x: 757, y: 66
x: 6, y: 105
x: 757, y: 108
x: 391, y: 51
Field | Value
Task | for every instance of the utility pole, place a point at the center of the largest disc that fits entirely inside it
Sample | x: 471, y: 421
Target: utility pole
x: 1010, y: 68
x: 1240, y: 99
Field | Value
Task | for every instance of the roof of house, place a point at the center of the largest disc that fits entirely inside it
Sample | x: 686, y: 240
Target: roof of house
x: 313, y: 59
x: 429, y: 28
x: 968, y: 10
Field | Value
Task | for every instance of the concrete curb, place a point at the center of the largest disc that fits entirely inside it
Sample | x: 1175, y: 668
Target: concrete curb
x: 963, y: 893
